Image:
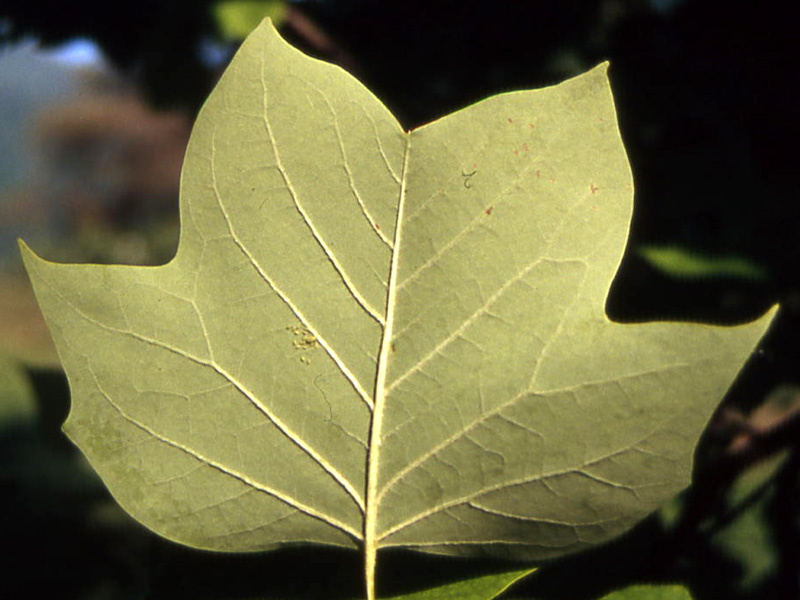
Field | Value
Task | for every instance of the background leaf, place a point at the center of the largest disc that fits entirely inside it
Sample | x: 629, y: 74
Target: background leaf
x: 650, y: 592
x: 237, y: 18
x: 17, y: 401
x: 485, y: 587
x: 680, y: 262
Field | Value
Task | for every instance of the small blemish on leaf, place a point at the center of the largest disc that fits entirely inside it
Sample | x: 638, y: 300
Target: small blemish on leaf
x: 510, y: 120
x: 467, y: 177
x: 303, y: 339
x: 593, y: 188
x: 525, y: 147
x: 531, y: 125
x: 393, y: 347
x: 489, y: 210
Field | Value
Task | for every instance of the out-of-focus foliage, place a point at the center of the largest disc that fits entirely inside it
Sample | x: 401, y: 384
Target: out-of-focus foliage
x: 485, y: 587
x: 748, y: 541
x: 16, y: 393
x: 237, y: 18
x: 680, y: 262
x: 650, y: 592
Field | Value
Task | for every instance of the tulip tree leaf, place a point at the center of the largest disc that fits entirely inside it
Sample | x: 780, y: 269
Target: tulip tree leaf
x: 372, y: 338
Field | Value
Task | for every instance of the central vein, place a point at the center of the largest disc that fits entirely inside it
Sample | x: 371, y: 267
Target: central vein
x: 371, y: 516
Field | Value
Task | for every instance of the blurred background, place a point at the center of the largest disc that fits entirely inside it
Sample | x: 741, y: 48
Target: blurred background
x: 96, y: 106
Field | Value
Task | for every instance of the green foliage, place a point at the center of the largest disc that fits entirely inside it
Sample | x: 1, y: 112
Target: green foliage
x: 16, y: 394
x: 485, y: 587
x: 373, y: 338
x: 650, y: 592
x: 679, y: 262
x: 237, y: 18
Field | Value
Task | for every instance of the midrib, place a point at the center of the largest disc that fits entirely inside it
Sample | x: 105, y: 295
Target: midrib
x: 371, y: 513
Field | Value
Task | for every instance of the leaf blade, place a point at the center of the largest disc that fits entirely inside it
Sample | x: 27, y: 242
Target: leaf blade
x: 223, y: 269
x: 373, y: 338
x: 495, y: 307
x: 485, y: 587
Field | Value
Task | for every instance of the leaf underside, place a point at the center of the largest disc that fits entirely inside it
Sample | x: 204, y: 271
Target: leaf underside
x: 372, y: 337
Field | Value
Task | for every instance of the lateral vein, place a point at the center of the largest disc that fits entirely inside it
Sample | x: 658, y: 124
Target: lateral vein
x: 248, y: 395
x: 362, y: 393
x: 543, y: 477
x: 471, y: 319
x: 481, y: 310
x: 362, y: 302
x: 422, y: 458
x: 228, y: 471
x: 500, y: 513
x: 351, y: 180
x: 381, y: 149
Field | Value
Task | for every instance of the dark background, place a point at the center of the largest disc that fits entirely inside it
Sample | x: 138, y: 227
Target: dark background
x: 707, y: 96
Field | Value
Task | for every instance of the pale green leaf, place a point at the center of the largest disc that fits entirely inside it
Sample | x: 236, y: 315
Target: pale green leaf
x: 485, y: 587
x: 650, y: 592
x: 372, y: 338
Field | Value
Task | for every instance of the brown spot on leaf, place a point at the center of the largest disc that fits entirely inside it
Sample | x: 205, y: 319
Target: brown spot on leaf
x: 593, y: 188
x: 489, y: 210
x: 510, y: 120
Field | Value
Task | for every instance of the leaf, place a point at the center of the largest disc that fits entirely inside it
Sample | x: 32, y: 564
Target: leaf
x: 650, y: 592
x: 374, y: 338
x: 237, y: 18
x: 747, y: 538
x: 679, y: 262
x: 17, y: 399
x: 485, y: 587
